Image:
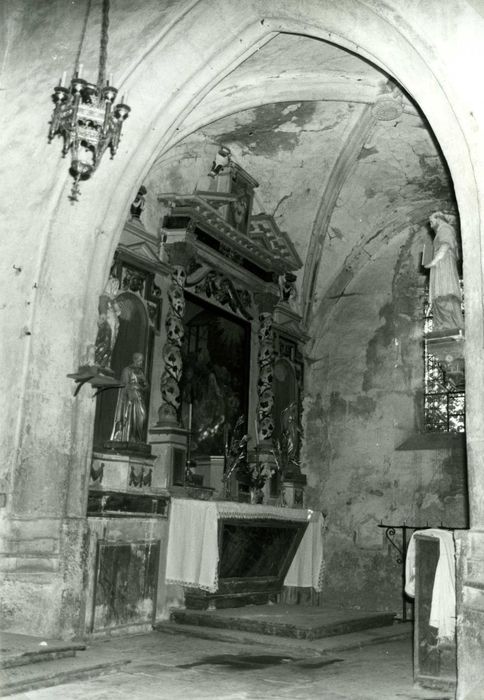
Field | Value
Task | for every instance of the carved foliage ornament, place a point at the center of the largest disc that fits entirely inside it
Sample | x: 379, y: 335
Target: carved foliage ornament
x: 171, y: 376
x: 216, y: 286
x: 264, y: 385
x: 140, y: 476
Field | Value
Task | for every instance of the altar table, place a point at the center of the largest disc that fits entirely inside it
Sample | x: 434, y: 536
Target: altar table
x: 221, y: 545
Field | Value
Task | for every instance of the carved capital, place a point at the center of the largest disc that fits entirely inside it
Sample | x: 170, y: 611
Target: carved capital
x: 221, y: 288
x: 266, y: 301
x: 181, y: 253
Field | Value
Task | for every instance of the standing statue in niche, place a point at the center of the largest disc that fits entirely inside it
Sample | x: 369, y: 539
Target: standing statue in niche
x: 130, y: 413
x: 445, y: 291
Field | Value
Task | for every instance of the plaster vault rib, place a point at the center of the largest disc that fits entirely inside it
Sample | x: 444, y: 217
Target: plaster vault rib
x: 237, y: 95
x: 364, y: 122
x: 251, y: 36
x: 361, y: 255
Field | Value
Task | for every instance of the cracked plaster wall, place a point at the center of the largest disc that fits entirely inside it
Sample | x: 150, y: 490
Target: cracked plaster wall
x: 66, y: 251
x: 290, y: 148
x: 399, y: 177
x: 364, y: 398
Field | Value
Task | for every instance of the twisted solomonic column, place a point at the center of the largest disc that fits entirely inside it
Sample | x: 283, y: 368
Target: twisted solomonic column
x: 265, y: 357
x: 171, y: 352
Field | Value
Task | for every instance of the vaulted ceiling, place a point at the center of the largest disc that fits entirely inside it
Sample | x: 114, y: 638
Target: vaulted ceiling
x: 344, y: 159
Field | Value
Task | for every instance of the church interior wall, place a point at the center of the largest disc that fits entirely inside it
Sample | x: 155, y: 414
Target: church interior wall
x: 57, y: 258
x: 365, y: 400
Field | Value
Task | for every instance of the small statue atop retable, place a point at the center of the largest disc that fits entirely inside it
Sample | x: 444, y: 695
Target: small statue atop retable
x: 138, y: 204
x: 221, y: 161
x: 287, y: 286
x: 130, y: 415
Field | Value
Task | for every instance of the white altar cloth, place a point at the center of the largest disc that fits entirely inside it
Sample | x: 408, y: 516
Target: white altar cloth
x: 192, y: 557
x: 306, y: 570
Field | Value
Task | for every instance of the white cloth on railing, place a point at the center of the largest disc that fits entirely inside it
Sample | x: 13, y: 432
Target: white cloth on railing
x: 443, y: 608
x: 306, y: 570
x: 193, y: 552
x: 410, y: 568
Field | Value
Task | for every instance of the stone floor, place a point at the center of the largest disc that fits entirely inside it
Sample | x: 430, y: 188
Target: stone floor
x: 165, y: 666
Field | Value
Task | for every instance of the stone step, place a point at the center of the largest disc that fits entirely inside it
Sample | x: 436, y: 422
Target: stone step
x: 28, y: 663
x: 297, y: 622
x: 21, y: 679
x: 22, y: 649
x: 315, y: 647
x: 25, y: 659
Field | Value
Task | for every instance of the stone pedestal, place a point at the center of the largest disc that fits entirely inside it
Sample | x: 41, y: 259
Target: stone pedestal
x: 448, y: 347
x: 293, y: 490
x: 211, y: 469
x: 169, y: 445
x: 121, y: 472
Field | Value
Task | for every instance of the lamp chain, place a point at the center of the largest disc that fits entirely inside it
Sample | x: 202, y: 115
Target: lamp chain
x: 103, y: 51
x: 83, y: 34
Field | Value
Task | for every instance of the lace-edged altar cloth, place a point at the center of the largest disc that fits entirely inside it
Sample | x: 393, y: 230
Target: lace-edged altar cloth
x: 193, y: 552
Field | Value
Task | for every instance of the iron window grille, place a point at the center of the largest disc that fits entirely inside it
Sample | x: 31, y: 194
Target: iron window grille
x: 444, y: 403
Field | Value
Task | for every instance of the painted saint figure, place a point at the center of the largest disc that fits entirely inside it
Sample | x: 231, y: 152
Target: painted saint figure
x: 130, y: 413
x: 108, y: 323
x: 445, y: 291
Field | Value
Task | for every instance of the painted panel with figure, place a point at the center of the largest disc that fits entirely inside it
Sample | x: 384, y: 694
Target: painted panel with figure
x: 215, y: 375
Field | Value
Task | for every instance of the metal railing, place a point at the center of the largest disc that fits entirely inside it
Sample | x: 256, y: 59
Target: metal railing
x: 391, y: 534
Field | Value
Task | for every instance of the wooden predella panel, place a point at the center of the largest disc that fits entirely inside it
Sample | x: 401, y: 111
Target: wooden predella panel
x: 126, y: 580
x: 256, y: 552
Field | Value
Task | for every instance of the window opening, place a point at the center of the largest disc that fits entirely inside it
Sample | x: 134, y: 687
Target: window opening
x: 444, y: 400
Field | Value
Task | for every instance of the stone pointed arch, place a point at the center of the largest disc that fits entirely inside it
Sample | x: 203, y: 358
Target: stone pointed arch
x: 157, y: 116
x: 167, y: 81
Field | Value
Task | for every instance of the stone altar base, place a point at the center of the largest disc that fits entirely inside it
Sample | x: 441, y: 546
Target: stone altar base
x: 293, y: 621
x: 169, y: 444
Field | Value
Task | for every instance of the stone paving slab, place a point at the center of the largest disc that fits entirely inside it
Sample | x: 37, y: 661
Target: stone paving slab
x: 15, y: 647
x: 22, y: 649
x: 49, y: 673
x: 158, y: 652
x: 177, y: 667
